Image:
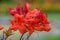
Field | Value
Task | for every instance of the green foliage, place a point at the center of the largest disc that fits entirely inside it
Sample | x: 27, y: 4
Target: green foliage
x: 51, y: 38
x: 6, y: 0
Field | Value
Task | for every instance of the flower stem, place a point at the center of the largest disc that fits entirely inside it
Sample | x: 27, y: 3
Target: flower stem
x: 21, y: 37
x: 3, y: 36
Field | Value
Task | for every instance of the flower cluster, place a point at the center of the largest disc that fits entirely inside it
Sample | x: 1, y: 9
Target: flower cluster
x: 26, y: 20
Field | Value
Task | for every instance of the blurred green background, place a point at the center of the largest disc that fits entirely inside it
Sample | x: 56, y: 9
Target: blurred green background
x: 46, y: 5
x: 51, y: 7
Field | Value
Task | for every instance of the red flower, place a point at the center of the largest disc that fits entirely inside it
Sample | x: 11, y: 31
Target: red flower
x: 12, y: 11
x: 26, y: 8
x: 18, y: 24
x: 19, y: 10
x: 1, y: 27
x: 28, y: 21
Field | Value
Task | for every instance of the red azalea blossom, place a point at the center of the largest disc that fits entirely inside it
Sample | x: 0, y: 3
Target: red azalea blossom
x: 1, y: 27
x: 19, y: 10
x: 26, y: 20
